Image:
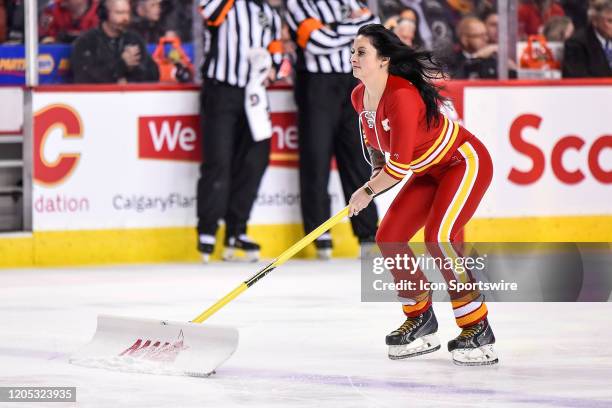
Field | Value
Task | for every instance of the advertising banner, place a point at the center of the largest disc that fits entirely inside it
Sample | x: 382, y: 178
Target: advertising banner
x: 551, y: 148
x: 112, y: 159
x: 53, y: 63
x: 131, y: 160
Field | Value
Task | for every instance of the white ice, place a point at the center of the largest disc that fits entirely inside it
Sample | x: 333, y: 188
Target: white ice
x: 306, y: 340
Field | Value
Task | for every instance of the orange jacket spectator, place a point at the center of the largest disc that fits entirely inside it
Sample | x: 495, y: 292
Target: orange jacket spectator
x: 2, y: 22
x: 532, y: 15
x: 64, y: 20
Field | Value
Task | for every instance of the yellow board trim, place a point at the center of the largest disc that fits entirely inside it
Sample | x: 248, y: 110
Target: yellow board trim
x: 155, y: 245
x: 595, y: 228
x: 151, y: 245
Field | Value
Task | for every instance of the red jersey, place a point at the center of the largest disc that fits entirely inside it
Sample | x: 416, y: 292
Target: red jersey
x: 401, y: 129
x: 56, y: 22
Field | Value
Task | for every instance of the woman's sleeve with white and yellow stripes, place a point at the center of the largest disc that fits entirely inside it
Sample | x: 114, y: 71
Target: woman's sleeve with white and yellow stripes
x: 403, y: 115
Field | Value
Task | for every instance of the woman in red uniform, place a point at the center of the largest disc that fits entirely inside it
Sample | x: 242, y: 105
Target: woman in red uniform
x: 451, y: 169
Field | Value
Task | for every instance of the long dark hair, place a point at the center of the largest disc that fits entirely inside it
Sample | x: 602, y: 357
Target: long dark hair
x: 417, y: 66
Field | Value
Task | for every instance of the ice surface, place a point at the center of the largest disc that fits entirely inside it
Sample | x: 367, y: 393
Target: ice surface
x: 306, y: 340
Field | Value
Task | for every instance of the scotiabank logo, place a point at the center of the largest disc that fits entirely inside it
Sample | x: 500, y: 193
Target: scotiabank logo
x: 57, y: 168
x: 284, y: 143
x: 170, y: 138
x: 593, y: 153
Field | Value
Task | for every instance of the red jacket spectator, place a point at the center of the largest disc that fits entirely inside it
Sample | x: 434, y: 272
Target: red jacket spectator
x: 2, y: 22
x: 64, y: 20
x: 532, y: 16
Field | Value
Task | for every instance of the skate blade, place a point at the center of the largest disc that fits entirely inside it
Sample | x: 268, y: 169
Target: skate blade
x: 205, y: 258
x: 480, y: 356
x: 240, y: 255
x: 423, y: 345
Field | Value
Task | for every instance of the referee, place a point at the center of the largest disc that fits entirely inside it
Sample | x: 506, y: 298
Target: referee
x: 328, y: 125
x: 233, y: 162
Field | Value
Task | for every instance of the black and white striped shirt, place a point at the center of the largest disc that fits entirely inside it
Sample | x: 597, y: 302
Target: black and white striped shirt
x: 236, y: 26
x: 324, y: 31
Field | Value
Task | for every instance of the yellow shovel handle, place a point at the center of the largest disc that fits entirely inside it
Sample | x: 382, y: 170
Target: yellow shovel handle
x: 282, y: 258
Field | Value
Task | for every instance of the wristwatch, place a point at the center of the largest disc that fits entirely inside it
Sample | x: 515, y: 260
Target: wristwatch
x: 368, y: 189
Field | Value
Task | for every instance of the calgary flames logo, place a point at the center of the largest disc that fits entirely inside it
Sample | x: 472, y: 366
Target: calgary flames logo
x: 47, y: 120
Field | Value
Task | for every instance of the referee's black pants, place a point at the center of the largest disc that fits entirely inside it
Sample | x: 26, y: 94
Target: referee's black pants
x: 232, y: 162
x: 327, y: 125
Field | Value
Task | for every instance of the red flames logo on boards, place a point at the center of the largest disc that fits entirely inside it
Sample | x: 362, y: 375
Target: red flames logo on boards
x: 67, y: 120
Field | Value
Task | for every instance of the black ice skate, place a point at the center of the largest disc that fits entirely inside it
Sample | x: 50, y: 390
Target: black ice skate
x: 415, y: 337
x: 324, y: 247
x: 206, y: 246
x: 474, y: 346
x: 241, y: 248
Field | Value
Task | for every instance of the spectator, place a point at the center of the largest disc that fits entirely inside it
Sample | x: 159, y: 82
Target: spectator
x: 475, y: 58
x: 559, y: 29
x: 177, y: 18
x: 533, y: 14
x: 438, y: 19
x: 484, y: 7
x: 405, y: 26
x: 111, y: 53
x: 491, y: 19
x: 15, y: 18
x: 406, y: 31
x: 64, y: 20
x: 577, y: 11
x: 3, y: 22
x: 589, y: 52
x: 147, y: 21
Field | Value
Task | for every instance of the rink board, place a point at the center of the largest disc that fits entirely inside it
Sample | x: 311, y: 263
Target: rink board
x: 123, y: 190
x: 55, y: 248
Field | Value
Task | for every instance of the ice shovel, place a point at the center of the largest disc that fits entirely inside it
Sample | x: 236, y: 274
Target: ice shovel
x: 176, y: 348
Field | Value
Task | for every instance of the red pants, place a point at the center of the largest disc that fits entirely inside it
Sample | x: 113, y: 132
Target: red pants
x: 443, y: 201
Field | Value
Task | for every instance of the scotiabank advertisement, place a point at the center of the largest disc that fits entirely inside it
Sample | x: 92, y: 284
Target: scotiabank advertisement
x: 551, y: 148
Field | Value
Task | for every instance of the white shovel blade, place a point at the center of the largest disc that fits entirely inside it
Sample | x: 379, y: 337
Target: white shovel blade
x: 157, y: 346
